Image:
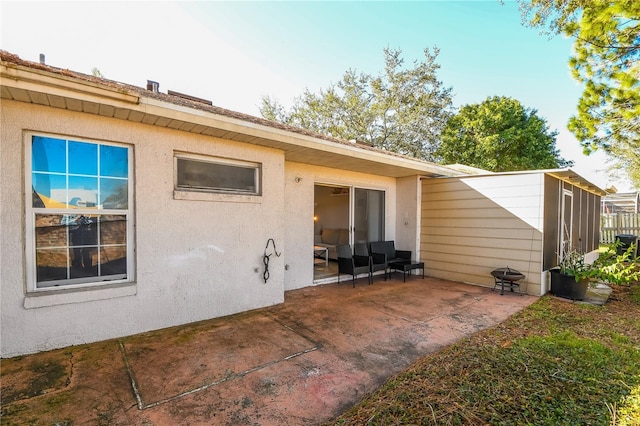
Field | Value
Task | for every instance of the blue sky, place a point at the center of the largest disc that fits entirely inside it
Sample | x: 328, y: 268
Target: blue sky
x: 233, y: 53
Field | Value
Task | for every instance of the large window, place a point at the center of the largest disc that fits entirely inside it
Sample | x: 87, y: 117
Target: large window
x: 195, y: 173
x: 79, y: 212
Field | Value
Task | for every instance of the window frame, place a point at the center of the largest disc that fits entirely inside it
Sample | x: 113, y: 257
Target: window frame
x: 74, y: 284
x: 214, y: 160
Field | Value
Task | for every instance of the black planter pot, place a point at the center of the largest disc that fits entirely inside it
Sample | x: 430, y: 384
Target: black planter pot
x: 565, y: 286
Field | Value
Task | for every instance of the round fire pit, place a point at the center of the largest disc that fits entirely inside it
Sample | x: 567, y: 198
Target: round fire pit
x: 507, y: 276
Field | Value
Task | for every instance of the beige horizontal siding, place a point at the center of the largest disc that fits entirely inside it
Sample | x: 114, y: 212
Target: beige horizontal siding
x: 471, y: 226
x: 477, y: 222
x: 437, y: 241
x: 484, y: 203
x: 465, y: 254
x: 501, y: 233
x: 474, y: 274
x: 440, y: 189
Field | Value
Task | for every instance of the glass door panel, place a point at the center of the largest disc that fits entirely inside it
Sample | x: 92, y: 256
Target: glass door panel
x: 368, y: 215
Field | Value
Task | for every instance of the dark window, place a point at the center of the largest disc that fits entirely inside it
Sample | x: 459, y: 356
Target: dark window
x: 201, y: 175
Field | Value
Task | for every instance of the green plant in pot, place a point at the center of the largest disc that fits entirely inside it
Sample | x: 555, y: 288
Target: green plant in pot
x: 574, y: 275
x: 570, y: 279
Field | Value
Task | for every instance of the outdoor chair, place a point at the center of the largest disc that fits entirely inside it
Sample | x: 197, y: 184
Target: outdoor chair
x: 387, y: 249
x: 377, y: 261
x: 351, y: 264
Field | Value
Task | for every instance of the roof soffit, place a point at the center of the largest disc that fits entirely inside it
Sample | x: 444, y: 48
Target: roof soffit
x: 573, y: 178
x: 36, y: 86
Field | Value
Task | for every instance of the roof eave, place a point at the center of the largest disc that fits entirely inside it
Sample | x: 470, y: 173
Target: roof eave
x: 19, y: 77
x: 56, y: 89
x: 565, y: 174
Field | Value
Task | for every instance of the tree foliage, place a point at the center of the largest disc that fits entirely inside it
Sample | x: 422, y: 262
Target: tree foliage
x: 401, y: 110
x: 606, y: 60
x: 500, y: 135
x: 96, y: 72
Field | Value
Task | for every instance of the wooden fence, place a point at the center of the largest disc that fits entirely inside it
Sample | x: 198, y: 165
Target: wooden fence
x: 612, y: 224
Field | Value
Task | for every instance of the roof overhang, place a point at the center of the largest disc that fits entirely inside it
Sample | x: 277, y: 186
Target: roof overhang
x: 565, y: 175
x: 570, y: 176
x: 63, y: 89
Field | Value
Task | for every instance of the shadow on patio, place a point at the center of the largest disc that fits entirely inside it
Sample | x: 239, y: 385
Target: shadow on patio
x: 300, y: 362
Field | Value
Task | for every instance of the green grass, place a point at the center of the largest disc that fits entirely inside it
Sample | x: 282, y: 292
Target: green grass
x: 554, y: 363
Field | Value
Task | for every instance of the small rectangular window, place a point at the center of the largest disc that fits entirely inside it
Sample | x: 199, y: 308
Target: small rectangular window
x: 217, y: 175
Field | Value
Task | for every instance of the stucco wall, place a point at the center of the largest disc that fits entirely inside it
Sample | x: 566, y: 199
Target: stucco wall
x: 196, y: 257
x: 408, y: 215
x: 299, y: 228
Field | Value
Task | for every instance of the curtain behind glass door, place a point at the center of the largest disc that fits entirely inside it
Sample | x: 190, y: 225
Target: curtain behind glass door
x: 368, y: 215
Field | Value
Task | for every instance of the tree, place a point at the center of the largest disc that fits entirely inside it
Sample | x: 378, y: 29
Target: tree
x: 400, y: 110
x: 500, y: 135
x: 96, y: 72
x: 606, y: 60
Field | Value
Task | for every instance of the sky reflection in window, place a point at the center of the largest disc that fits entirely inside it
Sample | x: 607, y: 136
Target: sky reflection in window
x: 71, y: 174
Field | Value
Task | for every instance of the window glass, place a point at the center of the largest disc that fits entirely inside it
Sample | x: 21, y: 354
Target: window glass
x: 83, y: 158
x: 50, y: 233
x: 48, y: 155
x: 114, y: 161
x: 113, y: 230
x: 46, y: 188
x: 83, y: 250
x: 86, y: 246
x: 82, y: 192
x: 51, y: 266
x: 113, y: 193
x: 114, y: 261
x: 113, y: 249
x: 213, y: 176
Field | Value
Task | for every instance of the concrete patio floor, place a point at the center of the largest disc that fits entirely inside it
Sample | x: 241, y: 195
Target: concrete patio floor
x: 302, y: 362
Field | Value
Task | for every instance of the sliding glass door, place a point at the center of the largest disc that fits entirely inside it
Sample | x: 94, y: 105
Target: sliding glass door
x: 368, y: 215
x: 344, y: 215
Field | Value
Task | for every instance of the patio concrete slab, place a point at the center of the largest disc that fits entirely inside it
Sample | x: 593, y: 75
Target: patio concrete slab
x: 301, y: 362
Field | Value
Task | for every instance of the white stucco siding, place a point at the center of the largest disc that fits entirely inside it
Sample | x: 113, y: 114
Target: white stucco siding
x: 409, y: 195
x: 299, y: 208
x: 196, y: 256
x: 472, y: 225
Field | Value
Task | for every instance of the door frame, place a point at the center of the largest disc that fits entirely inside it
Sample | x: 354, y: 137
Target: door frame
x: 565, y: 231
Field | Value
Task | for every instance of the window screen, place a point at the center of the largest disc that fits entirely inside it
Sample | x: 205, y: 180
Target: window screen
x: 213, y: 176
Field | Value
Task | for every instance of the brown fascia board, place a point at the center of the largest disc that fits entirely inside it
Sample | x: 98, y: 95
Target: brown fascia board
x: 9, y: 58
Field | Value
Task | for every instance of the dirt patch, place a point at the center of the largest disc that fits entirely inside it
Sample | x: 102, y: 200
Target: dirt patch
x: 174, y: 366
x: 43, y: 374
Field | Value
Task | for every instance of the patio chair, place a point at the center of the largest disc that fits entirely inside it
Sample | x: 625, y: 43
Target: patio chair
x: 351, y: 264
x: 377, y: 261
x: 388, y: 250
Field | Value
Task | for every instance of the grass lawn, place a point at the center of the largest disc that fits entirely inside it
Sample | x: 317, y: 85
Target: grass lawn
x: 554, y: 363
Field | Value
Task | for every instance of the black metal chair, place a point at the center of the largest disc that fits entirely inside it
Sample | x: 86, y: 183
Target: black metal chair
x: 377, y: 261
x: 351, y: 264
x: 387, y: 249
